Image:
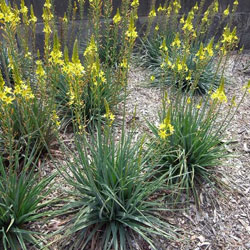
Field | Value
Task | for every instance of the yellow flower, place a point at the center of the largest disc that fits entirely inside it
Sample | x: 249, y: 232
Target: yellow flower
x: 165, y: 128
x: 236, y: 2
x: 131, y: 32
x: 163, y: 46
x: 73, y: 69
x: 196, y: 7
x: 162, y: 134
x: 209, y: 48
x: 205, y: 17
x: 160, y: 8
x: 8, y: 99
x: 216, y: 7
x: 91, y: 49
x: 152, y: 78
x: 157, y: 27
x: 201, y: 53
x: 189, y: 77
x: 24, y: 90
x: 56, y: 57
x: 110, y: 117
x: 226, y: 11
x: 188, y: 25
x: 24, y: 10
x: 47, y: 29
x: 152, y: 13
x: 65, y: 19
x: 176, y: 41
x: 135, y: 3
x: 33, y: 19
x: 47, y: 4
x: 117, y: 18
x: 39, y: 70
x: 179, y: 67
x: 162, y: 126
x: 229, y: 37
x: 124, y: 63
x: 55, y: 118
x: 188, y: 100
x: 219, y: 94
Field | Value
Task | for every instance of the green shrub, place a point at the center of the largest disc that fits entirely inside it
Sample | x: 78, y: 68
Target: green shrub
x: 113, y: 194
x: 21, y: 201
x: 180, y: 52
x: 188, y: 142
x: 25, y: 121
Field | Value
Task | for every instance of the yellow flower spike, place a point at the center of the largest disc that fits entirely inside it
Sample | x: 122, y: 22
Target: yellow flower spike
x: 188, y: 100
x: 117, y: 18
x: 205, y: 17
x: 152, y: 78
x: 182, y: 20
x: 219, y: 94
x: 216, y: 7
x: 201, y: 53
x: 229, y: 38
x: 152, y: 13
x: 209, y: 48
x: 196, y: 7
x: 39, y: 68
x: 47, y: 4
x: 163, y: 46
x: 161, y: 9
x: 109, y: 115
x: 226, y: 11
x: 166, y: 126
x: 131, y: 32
x: 176, y: 42
x: 56, y: 55
x: 33, y: 18
x: 236, y: 2
x: 135, y: 3
x: 188, y: 25
x: 124, y: 63
x: 91, y: 48
x: 65, y: 19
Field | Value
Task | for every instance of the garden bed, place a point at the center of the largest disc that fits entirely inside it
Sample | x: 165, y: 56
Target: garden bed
x: 223, y: 220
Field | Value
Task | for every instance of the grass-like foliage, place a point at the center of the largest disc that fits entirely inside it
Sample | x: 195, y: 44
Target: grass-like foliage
x: 203, y: 74
x: 25, y: 122
x: 113, y: 194
x: 179, y: 49
x: 188, y: 143
x: 21, y: 195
